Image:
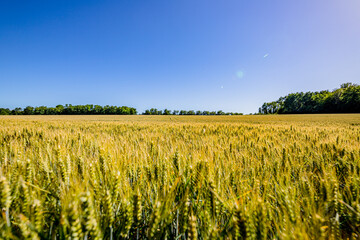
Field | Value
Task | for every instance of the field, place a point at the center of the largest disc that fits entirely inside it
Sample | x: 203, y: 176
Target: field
x: 180, y: 177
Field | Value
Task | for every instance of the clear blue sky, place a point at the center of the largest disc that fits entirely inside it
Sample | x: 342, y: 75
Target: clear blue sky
x: 231, y: 55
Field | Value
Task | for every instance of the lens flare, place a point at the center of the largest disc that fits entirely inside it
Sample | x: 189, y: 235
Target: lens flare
x: 240, y: 74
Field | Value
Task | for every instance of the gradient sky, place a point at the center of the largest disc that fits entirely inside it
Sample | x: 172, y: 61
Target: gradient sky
x: 231, y: 55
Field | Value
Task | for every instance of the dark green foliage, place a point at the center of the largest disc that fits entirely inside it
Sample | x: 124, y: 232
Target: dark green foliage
x: 5, y: 111
x: 69, y: 109
x: 28, y: 110
x: 154, y: 111
x: 343, y: 100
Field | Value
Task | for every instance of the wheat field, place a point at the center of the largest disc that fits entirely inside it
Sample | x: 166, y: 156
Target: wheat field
x: 180, y: 177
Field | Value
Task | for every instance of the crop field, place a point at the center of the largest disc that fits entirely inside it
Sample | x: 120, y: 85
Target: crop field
x: 180, y: 177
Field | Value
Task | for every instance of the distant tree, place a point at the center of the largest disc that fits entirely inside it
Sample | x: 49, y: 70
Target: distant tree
x: 346, y: 99
x: 59, y: 109
x: 182, y: 112
x: 205, y: 113
x: 70, y: 109
x: 347, y: 85
x: 40, y: 110
x: 147, y: 112
x: 28, y: 110
x: 98, y: 109
x: 17, y: 111
x: 133, y: 111
x: 166, y: 112
x: 153, y: 111
x: 5, y: 111
x: 51, y: 111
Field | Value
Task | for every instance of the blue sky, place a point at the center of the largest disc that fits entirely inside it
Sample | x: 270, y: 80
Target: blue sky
x: 231, y: 55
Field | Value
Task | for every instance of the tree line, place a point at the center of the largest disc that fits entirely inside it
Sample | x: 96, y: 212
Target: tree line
x: 345, y: 99
x: 154, y: 111
x: 69, y: 109
x: 90, y: 109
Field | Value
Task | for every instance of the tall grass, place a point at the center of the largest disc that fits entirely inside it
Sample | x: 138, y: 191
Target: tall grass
x: 180, y: 178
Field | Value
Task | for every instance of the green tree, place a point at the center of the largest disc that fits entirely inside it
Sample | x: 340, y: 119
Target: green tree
x: 5, y: 111
x: 28, y: 110
x: 346, y: 99
x: 166, y: 112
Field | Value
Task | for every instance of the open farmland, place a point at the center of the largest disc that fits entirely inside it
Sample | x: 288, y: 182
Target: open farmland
x: 180, y: 177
